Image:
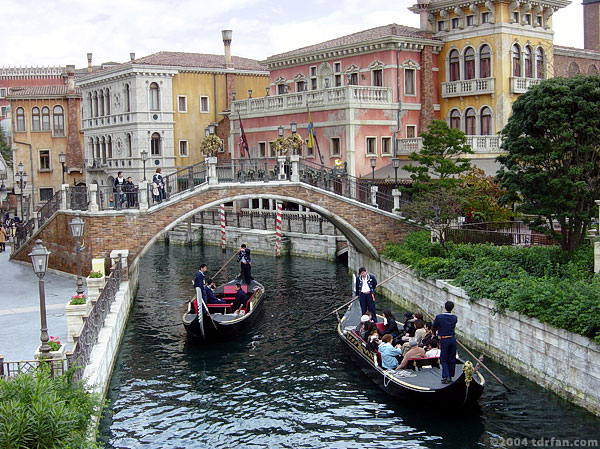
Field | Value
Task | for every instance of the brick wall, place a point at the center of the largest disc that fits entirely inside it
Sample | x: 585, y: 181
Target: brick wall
x: 591, y: 26
x: 427, y: 100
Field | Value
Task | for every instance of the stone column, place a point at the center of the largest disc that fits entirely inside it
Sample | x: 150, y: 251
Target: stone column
x: 212, y: 171
x: 295, y: 159
x: 63, y: 196
x: 396, y: 193
x: 93, y: 197
x: 281, y: 162
x: 374, y: 195
x: 143, y: 196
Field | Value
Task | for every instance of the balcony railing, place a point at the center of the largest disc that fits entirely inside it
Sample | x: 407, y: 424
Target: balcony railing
x: 478, y: 86
x: 521, y: 85
x: 479, y: 144
x: 410, y: 145
x: 106, y: 120
x: 333, y: 96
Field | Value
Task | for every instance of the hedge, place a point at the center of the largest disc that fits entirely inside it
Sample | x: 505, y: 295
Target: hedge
x: 544, y: 282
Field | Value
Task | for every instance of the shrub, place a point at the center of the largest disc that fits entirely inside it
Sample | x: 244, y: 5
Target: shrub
x: 552, y: 285
x: 95, y: 274
x: 77, y: 300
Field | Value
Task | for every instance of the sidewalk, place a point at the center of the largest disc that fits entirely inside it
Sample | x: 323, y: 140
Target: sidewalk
x: 20, y: 308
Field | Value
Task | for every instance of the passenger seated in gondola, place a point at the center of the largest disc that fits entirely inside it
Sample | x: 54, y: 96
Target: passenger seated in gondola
x: 389, y: 353
x: 362, y: 326
x: 210, y: 293
x: 240, y: 300
x: 409, y: 328
x: 391, y: 327
x: 434, y: 351
x: 413, y: 353
x: 419, y: 334
x: 373, y: 340
x: 369, y: 328
x: 429, y: 335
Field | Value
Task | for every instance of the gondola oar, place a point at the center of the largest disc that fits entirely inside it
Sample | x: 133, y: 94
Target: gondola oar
x: 472, y: 355
x: 226, y: 263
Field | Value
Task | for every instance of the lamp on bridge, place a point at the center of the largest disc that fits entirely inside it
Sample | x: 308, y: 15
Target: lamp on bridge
x: 395, y: 164
x: 294, y: 127
x: 62, y: 158
x: 211, y: 129
x: 280, y: 131
x: 249, y: 93
x: 21, y: 180
x: 206, y: 132
x: 39, y: 262
x: 373, y: 162
x: 144, y: 156
x: 77, y: 225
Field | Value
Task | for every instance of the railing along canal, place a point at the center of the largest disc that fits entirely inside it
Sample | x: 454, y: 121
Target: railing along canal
x: 79, y: 357
x: 56, y: 367
x: 250, y: 170
x: 186, y: 179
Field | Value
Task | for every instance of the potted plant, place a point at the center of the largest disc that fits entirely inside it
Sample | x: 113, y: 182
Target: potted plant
x: 210, y: 145
x: 76, y: 309
x: 57, y: 349
x: 95, y: 281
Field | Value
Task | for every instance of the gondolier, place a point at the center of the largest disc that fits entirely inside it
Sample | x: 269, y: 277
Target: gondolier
x: 245, y: 263
x: 365, y: 288
x: 444, y: 324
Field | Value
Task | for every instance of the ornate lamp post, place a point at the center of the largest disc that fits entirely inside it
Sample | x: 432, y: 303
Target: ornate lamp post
x: 373, y: 162
x: 249, y: 93
x: 206, y: 132
x: 77, y: 225
x: 211, y: 129
x: 62, y: 158
x: 280, y: 131
x: 39, y: 262
x: 144, y: 156
x: 396, y: 164
x: 21, y: 180
x: 294, y: 127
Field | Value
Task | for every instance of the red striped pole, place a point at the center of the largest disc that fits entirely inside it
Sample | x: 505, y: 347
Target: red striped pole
x: 223, y: 237
x: 278, y: 231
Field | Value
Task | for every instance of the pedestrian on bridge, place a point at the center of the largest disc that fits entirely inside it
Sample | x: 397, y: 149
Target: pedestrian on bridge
x: 158, y: 186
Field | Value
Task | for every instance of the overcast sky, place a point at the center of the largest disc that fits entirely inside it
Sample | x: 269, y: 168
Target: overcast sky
x: 61, y: 32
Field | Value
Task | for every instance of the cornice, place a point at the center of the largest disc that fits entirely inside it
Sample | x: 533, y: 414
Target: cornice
x: 449, y: 5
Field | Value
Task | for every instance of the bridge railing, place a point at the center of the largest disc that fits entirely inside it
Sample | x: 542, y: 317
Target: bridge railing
x: 117, y: 198
x: 79, y: 357
x: 249, y: 170
x: 48, y: 209
x: 183, y: 180
x: 77, y: 197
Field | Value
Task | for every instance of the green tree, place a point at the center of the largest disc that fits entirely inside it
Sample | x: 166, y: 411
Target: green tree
x: 439, y: 161
x: 551, y: 167
x: 482, y: 196
x: 5, y: 147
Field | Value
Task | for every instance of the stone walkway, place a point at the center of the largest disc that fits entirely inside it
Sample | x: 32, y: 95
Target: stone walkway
x: 20, y: 312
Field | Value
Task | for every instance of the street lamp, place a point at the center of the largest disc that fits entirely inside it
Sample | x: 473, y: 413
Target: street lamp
x: 21, y: 180
x: 211, y: 129
x: 249, y: 93
x: 396, y: 164
x: 206, y: 132
x: 39, y: 262
x: 77, y: 225
x: 62, y: 158
x: 294, y: 127
x: 280, y: 131
x: 144, y: 156
x: 373, y: 162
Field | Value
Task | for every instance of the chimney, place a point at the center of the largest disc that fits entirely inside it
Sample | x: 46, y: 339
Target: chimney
x: 132, y: 56
x: 89, y: 56
x: 71, y: 78
x: 227, y: 44
x: 424, y: 14
x: 591, y: 24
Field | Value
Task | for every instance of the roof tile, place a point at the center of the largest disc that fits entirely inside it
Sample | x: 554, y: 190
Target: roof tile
x: 41, y: 91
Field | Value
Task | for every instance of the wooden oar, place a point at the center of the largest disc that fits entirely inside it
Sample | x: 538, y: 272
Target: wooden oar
x: 472, y: 355
x: 200, y: 310
x: 226, y: 263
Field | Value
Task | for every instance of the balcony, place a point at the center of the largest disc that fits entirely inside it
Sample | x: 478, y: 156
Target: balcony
x: 478, y: 86
x: 521, y: 85
x: 106, y: 120
x: 478, y: 144
x: 350, y: 95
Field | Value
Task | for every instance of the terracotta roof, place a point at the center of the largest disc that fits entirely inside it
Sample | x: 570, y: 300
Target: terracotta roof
x: 42, y: 91
x: 198, y: 60
x: 392, y: 29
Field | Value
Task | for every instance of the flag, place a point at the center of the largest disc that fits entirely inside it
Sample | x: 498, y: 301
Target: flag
x: 244, y: 149
x: 312, y: 136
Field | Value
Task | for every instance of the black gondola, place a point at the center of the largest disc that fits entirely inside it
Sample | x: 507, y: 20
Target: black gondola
x: 220, y: 322
x: 420, y: 385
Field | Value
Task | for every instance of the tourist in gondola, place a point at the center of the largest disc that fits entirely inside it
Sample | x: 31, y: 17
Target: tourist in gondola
x: 245, y: 263
x: 364, y: 290
x: 240, y: 300
x: 389, y: 353
x: 444, y: 324
x: 210, y: 293
x: 391, y: 327
x: 373, y: 340
x: 362, y: 326
x: 433, y: 351
x: 429, y: 335
x: 409, y: 327
x: 415, y: 352
x: 369, y: 328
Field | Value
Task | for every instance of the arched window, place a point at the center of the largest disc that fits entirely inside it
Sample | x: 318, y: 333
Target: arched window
x: 155, y: 145
x: 469, y: 63
x: 127, y: 99
x: 573, y: 69
x: 516, y: 61
x: 95, y: 113
x: 97, y: 147
x: 129, y: 146
x: 101, y: 103
x: 454, y: 66
x: 486, y: 121
x: 103, y: 149
x: 109, y: 147
x: 455, y: 119
x: 90, y: 105
x: 107, y: 96
x: 154, y: 99
x: 35, y: 119
x: 539, y: 63
x: 592, y: 70
x: 58, y: 121
x: 528, y: 61
x: 485, y: 62
x: 45, y: 119
x: 470, y: 123
x: 21, y: 119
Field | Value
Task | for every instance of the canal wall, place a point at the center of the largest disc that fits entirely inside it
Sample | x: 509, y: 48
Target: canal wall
x: 261, y: 241
x: 566, y: 363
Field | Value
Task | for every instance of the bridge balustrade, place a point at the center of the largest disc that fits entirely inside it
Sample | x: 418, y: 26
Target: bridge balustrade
x: 186, y: 179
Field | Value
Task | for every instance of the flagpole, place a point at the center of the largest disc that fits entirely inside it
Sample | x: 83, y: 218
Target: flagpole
x: 311, y: 130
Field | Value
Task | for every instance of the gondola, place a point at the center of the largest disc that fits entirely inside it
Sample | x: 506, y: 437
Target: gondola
x: 220, y: 322
x: 421, y: 384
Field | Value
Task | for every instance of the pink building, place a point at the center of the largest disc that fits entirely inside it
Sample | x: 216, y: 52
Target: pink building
x: 362, y: 90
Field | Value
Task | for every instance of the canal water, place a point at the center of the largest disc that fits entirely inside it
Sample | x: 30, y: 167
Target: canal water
x: 283, y: 387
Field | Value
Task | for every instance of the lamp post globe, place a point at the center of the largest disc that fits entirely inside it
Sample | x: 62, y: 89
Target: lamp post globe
x: 373, y: 162
x: 39, y: 263
x: 280, y: 131
x: 396, y: 165
x: 77, y: 226
x: 62, y: 158
x: 144, y: 156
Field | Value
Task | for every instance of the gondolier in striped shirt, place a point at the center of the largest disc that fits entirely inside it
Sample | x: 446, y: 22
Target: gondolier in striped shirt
x: 365, y: 288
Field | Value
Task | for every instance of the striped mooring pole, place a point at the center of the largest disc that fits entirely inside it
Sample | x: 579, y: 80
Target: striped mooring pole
x: 223, y: 237
x: 278, y: 231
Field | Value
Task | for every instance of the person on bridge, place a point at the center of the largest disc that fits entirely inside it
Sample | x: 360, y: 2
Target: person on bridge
x: 119, y: 190
x: 158, y: 186
x: 365, y: 287
x: 245, y: 263
x: 445, y: 324
x: 240, y: 300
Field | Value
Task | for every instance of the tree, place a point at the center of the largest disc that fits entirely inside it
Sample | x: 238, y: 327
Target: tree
x: 482, y: 195
x: 5, y: 147
x: 552, y: 165
x: 439, y: 159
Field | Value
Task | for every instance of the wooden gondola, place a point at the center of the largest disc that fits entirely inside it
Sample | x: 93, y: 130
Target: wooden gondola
x: 419, y: 385
x: 220, y: 322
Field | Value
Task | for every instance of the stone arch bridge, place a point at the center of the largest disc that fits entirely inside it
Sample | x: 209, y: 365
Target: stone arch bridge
x: 359, y: 214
